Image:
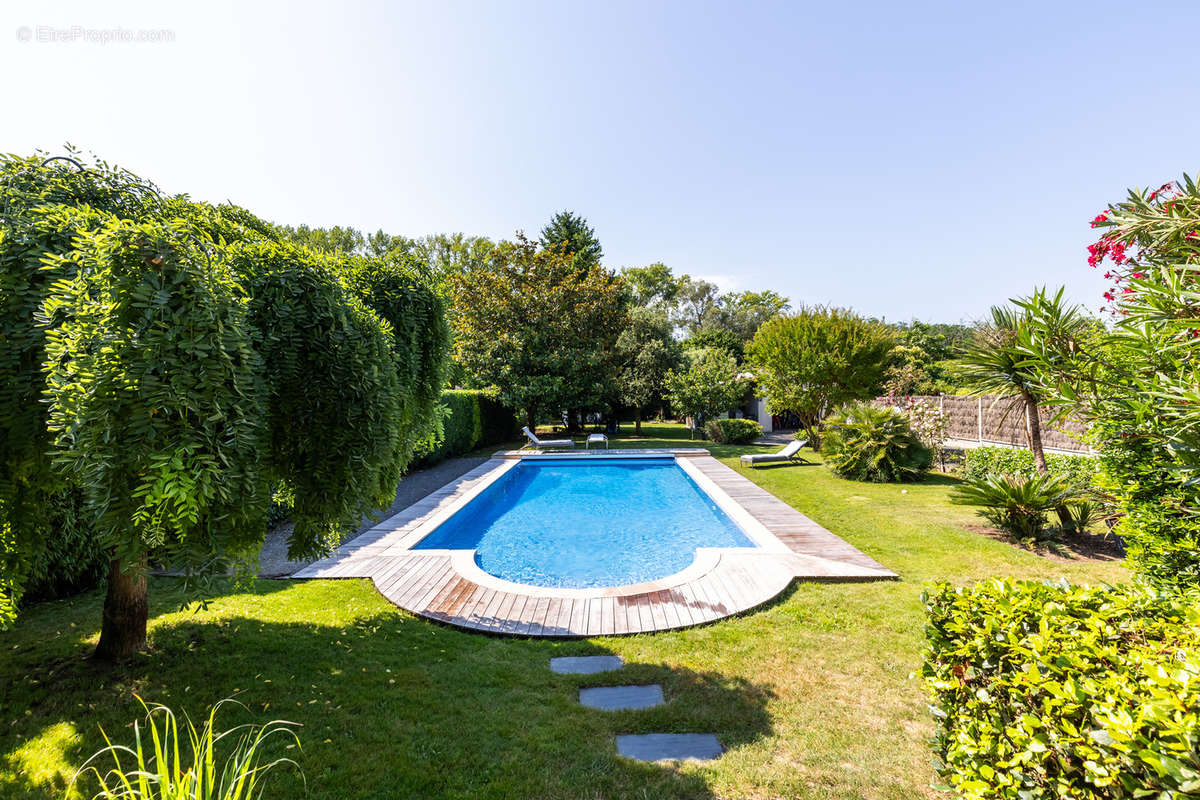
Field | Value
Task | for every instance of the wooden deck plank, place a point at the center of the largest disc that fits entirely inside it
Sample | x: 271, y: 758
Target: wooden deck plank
x: 593, y: 625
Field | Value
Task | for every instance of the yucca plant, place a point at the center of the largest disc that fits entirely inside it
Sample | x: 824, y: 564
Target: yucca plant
x: 865, y: 442
x: 158, y: 769
x: 1015, y: 503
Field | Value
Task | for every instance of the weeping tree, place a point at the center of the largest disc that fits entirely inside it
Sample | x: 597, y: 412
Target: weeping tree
x: 172, y: 361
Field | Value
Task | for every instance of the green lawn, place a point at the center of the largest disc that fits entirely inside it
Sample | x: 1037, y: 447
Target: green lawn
x: 812, y: 695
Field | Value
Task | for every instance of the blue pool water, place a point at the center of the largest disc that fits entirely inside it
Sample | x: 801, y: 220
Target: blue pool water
x: 588, y: 523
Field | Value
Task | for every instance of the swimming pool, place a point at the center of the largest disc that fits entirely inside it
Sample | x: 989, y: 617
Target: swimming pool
x: 588, y: 522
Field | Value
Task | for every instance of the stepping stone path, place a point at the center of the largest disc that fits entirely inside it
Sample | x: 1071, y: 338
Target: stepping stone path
x: 642, y: 747
x: 669, y: 747
x: 620, y: 698
x: 585, y: 665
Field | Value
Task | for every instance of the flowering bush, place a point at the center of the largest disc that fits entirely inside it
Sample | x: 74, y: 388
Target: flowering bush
x: 930, y: 424
x: 1137, y: 383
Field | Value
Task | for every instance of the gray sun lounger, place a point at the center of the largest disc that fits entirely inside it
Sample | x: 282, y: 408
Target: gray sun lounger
x: 546, y: 444
x: 791, y: 453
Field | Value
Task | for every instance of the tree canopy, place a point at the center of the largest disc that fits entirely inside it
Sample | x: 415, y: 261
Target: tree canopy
x: 570, y: 232
x: 816, y: 359
x: 537, y: 327
x: 710, y: 385
x: 646, y: 351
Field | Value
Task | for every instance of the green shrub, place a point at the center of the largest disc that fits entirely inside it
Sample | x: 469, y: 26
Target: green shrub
x: 1015, y: 503
x: 498, y: 422
x: 469, y: 418
x: 1052, y: 691
x: 865, y: 442
x: 72, y: 559
x: 733, y: 431
x: 979, y: 462
x: 163, y: 764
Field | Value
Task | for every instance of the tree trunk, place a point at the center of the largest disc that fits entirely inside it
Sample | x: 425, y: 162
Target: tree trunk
x: 637, y: 421
x: 123, y: 632
x: 1033, y: 429
x: 531, y: 419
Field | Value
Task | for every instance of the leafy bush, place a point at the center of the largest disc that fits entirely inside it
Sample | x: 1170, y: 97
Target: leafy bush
x: 166, y: 765
x: 979, y: 462
x: 864, y: 442
x: 1015, y: 503
x: 733, y: 431
x: 1052, y: 691
x: 73, y: 558
x: 497, y: 422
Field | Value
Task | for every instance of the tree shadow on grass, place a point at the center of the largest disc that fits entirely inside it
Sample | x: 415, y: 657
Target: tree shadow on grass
x: 391, y: 706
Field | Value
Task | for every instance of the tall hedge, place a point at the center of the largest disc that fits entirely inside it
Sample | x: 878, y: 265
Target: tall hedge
x: 170, y: 360
x: 1053, y: 691
x: 469, y: 419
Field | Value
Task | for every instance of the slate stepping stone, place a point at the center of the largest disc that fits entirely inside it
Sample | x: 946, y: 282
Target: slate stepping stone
x: 620, y: 698
x: 670, y: 747
x: 585, y: 665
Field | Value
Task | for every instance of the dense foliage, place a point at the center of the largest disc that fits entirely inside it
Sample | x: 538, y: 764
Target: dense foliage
x: 817, y: 359
x: 866, y: 442
x: 1137, y: 383
x: 733, y: 431
x: 172, y: 363
x: 710, y: 385
x: 539, y: 330
x: 979, y: 462
x: 469, y: 419
x: 570, y: 234
x: 1050, y: 691
x: 647, y: 352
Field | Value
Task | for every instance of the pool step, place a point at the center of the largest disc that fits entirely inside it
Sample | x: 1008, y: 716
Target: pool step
x: 621, y: 698
x: 669, y: 747
x: 585, y: 665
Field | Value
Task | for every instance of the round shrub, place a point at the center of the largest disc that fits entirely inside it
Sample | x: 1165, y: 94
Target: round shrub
x: 1045, y: 691
x: 864, y: 442
x: 733, y: 431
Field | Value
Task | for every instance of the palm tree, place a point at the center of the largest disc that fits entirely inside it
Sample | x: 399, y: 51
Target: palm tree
x: 994, y: 363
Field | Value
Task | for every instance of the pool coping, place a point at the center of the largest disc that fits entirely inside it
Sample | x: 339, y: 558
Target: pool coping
x: 447, y: 585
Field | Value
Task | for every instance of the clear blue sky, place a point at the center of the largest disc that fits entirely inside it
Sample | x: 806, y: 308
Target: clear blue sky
x: 904, y: 159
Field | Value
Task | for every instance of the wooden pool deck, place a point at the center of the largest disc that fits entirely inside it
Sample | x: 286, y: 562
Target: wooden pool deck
x: 448, y: 586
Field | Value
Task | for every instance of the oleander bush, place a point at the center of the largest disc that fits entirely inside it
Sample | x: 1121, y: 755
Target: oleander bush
x: 865, y: 442
x: 979, y: 462
x: 733, y: 431
x: 1053, y: 691
x: 1017, y: 504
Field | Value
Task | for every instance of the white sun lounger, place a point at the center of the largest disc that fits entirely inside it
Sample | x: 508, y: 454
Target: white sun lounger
x: 791, y: 453
x: 546, y: 444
